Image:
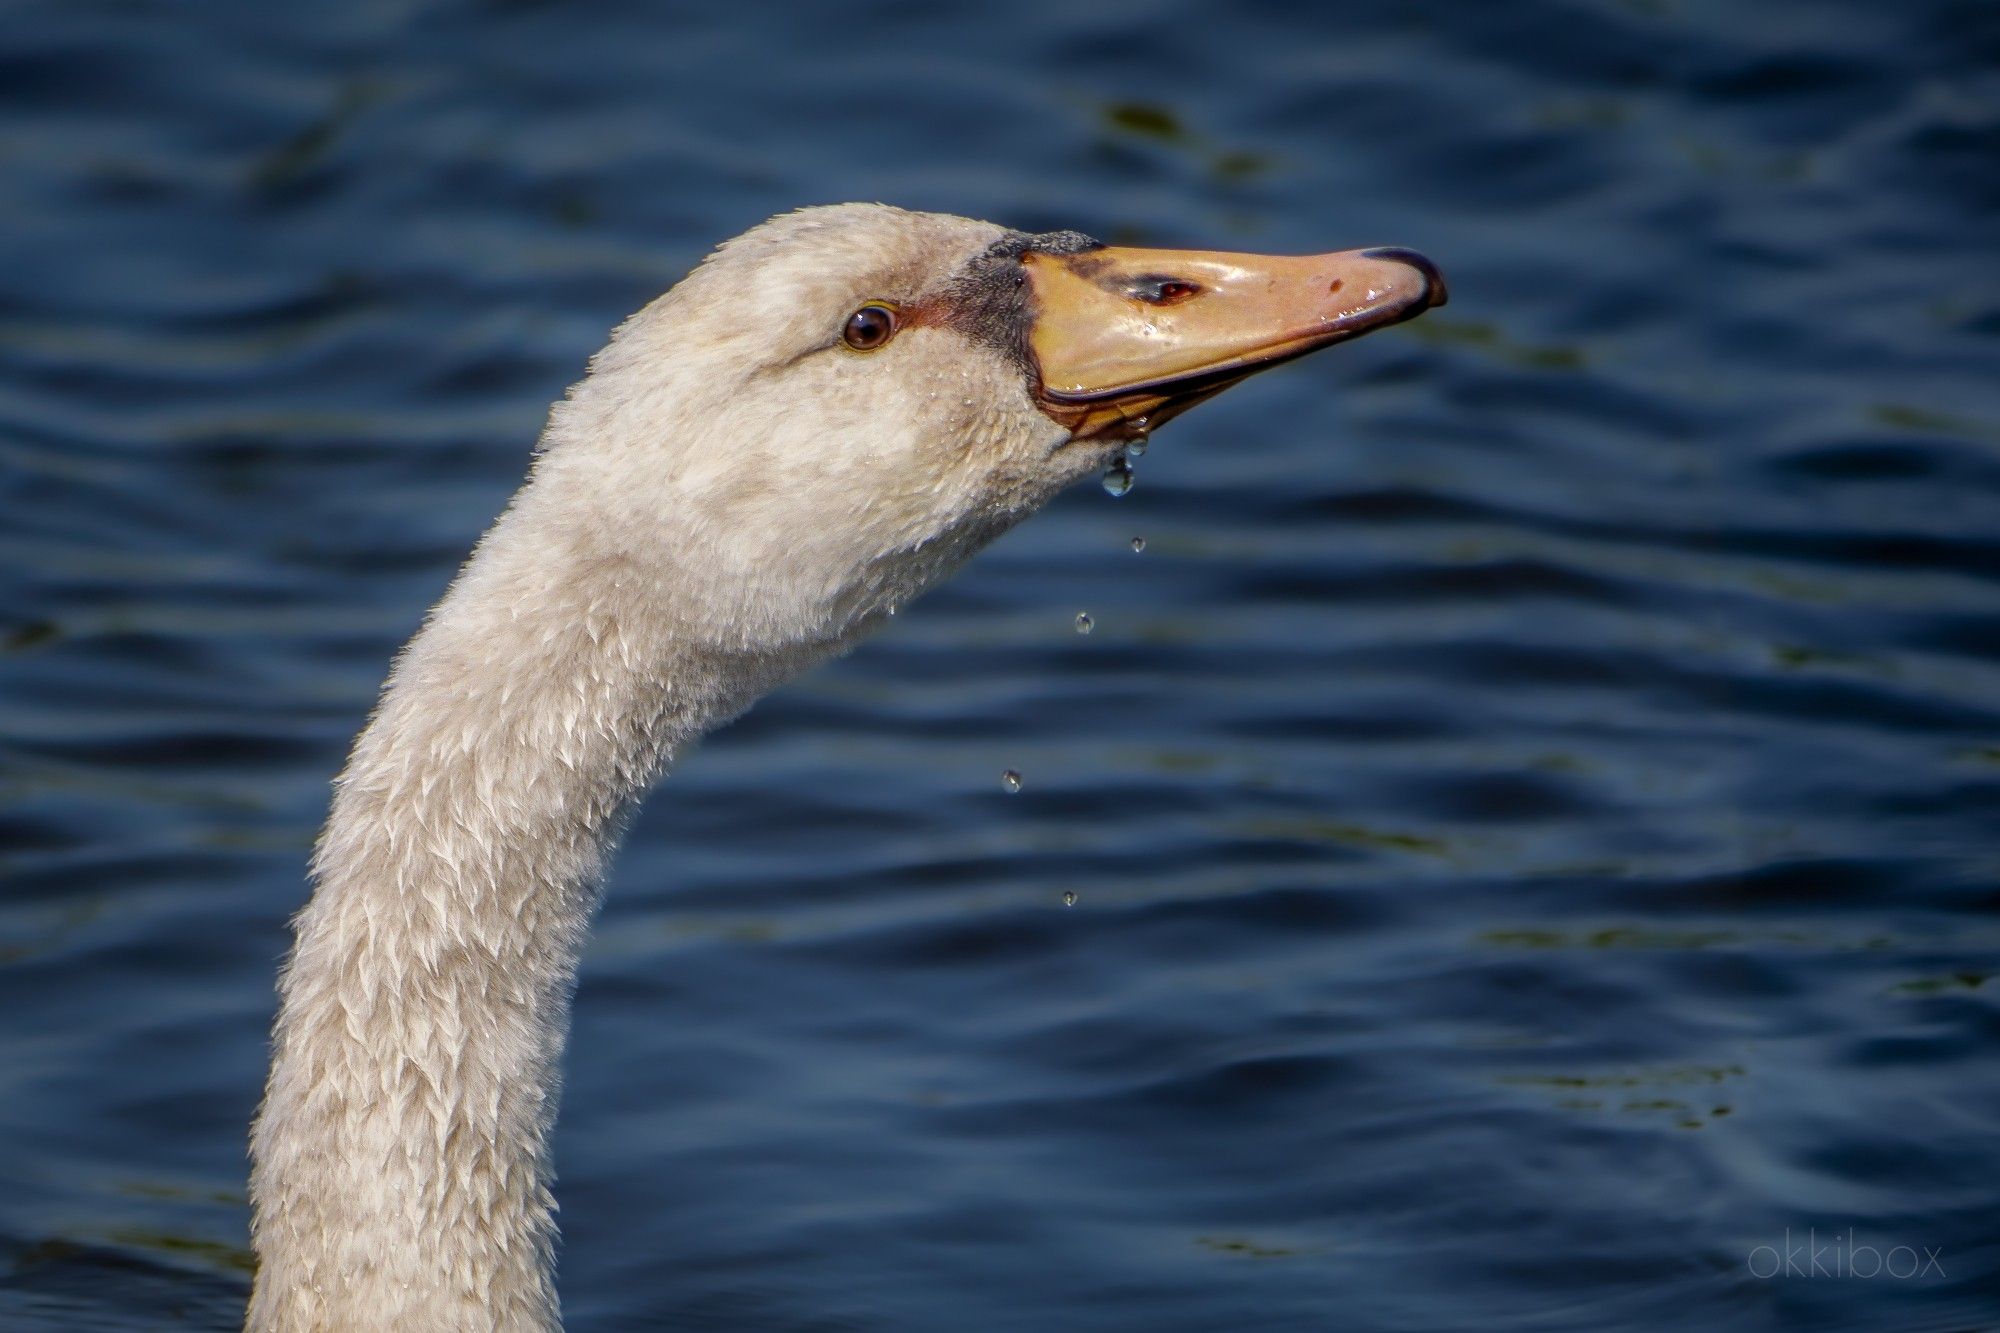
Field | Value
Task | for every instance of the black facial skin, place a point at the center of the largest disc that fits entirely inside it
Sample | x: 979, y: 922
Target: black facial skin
x: 1017, y: 243
x: 988, y: 300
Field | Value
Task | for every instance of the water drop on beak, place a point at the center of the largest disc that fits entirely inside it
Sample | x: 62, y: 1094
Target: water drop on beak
x: 1117, y: 476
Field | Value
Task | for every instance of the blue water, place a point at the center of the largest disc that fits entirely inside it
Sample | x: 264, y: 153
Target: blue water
x: 1533, y: 807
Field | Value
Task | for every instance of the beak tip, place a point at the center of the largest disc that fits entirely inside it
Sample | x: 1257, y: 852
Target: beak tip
x: 1435, y: 293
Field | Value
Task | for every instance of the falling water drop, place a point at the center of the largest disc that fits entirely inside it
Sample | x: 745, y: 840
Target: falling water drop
x: 1011, y: 781
x: 1136, y: 446
x: 1069, y: 897
x: 1138, y: 545
x: 1084, y: 624
x: 1117, y: 476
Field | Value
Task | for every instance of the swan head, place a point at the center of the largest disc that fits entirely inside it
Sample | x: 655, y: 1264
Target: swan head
x: 837, y: 407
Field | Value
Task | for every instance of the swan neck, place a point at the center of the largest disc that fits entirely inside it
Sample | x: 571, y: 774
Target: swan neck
x: 401, y: 1160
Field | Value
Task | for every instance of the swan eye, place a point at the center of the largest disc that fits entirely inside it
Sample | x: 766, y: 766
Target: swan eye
x: 869, y: 327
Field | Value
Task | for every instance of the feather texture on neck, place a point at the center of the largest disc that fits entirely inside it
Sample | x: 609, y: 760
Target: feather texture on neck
x: 402, y: 1173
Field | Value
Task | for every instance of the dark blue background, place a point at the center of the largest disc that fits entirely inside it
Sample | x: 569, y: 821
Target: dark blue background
x: 1534, y: 805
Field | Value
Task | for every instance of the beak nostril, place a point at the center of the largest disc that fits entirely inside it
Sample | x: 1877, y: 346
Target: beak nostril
x: 1333, y: 286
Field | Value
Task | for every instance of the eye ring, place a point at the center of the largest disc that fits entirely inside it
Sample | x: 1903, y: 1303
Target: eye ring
x: 870, y: 327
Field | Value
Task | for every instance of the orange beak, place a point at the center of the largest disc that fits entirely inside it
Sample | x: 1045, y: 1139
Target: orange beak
x: 1126, y: 338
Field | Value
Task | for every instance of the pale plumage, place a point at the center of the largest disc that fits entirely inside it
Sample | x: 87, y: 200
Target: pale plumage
x: 731, y: 495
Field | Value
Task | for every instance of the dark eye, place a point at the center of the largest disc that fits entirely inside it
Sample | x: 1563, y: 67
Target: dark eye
x: 1164, y: 291
x: 869, y: 327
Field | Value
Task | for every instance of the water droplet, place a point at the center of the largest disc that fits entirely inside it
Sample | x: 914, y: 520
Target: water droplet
x: 1138, y: 545
x: 1011, y: 780
x: 1084, y: 624
x: 1117, y: 476
x: 1069, y: 897
x: 892, y: 610
x: 1136, y: 446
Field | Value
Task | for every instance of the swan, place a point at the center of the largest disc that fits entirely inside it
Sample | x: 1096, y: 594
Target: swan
x: 824, y: 418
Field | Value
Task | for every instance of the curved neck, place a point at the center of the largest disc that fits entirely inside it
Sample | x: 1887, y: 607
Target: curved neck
x: 401, y: 1161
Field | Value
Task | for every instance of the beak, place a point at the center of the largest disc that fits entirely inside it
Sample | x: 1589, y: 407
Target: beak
x: 1125, y: 338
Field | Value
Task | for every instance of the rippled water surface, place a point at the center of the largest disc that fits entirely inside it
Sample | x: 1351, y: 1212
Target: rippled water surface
x: 1532, y: 807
